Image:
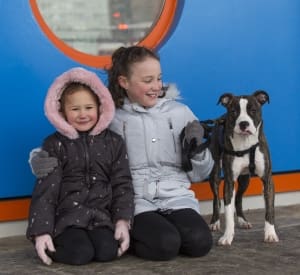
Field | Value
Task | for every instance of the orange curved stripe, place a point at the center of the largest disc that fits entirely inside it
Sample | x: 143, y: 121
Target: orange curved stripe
x: 156, y: 35
x: 162, y: 27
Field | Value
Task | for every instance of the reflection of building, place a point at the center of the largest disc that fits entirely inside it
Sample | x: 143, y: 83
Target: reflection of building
x: 131, y: 19
x: 147, y: 10
x: 77, y: 22
x: 99, y: 26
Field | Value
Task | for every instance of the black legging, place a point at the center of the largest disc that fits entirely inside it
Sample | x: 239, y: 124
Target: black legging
x: 162, y: 236
x: 77, y: 246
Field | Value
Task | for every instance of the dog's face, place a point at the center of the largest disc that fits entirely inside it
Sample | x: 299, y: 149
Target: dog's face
x: 244, y: 112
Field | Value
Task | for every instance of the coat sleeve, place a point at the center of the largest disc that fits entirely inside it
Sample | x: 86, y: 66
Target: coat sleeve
x: 44, y: 199
x: 122, y: 206
x: 202, y: 163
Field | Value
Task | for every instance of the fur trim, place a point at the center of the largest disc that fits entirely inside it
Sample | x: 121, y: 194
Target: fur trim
x: 172, y: 92
x: 52, y: 105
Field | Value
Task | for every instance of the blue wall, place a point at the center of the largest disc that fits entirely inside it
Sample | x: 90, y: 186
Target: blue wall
x: 218, y: 46
x: 240, y: 46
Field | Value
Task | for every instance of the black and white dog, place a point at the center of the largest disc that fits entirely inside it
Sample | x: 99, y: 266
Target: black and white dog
x: 240, y: 149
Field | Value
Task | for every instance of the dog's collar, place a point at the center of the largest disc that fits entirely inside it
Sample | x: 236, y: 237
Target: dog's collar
x: 241, y: 153
x: 251, y: 152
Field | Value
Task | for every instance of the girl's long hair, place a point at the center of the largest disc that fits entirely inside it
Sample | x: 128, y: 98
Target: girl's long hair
x: 122, y: 59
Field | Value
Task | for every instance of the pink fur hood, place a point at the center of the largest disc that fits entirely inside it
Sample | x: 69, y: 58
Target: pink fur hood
x: 52, y: 105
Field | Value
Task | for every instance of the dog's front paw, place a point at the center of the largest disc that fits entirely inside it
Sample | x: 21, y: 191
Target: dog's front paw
x: 243, y: 223
x: 216, y: 226
x: 271, y: 238
x: 270, y: 234
x: 226, y: 239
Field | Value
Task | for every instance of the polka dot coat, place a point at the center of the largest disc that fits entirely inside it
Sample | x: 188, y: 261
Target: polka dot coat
x: 90, y: 187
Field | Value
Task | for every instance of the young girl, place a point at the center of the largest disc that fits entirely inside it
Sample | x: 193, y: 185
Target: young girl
x: 83, y: 209
x: 167, y: 218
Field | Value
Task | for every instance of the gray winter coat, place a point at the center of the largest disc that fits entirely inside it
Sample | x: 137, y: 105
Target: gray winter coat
x: 154, y: 150
x: 92, y: 184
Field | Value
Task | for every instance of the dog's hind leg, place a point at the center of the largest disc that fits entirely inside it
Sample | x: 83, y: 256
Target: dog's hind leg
x: 214, y: 181
x: 243, y: 183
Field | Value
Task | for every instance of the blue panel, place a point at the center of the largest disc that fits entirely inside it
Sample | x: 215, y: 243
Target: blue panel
x: 241, y: 46
x: 217, y: 46
x: 29, y: 63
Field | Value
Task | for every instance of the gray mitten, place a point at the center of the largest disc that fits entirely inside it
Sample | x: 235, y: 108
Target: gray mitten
x: 194, y: 130
x: 41, y: 164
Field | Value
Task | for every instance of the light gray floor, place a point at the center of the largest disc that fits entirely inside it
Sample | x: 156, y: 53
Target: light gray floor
x: 248, y: 254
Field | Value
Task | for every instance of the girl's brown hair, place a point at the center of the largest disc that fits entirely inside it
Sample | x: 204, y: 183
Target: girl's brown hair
x: 72, y: 88
x: 122, y: 59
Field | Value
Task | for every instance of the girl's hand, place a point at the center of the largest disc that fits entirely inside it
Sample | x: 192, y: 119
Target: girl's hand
x: 194, y: 130
x: 41, y: 163
x: 43, y: 243
x: 122, y: 235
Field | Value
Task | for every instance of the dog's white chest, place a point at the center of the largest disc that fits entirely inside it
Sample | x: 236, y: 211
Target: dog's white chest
x: 240, y: 165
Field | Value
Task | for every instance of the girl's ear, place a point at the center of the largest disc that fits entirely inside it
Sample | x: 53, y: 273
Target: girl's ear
x: 122, y: 80
x: 62, y: 113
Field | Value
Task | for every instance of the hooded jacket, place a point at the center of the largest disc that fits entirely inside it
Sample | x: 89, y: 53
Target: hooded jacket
x: 154, y: 150
x: 92, y: 184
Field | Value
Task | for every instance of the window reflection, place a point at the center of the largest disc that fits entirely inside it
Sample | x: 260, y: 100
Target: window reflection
x: 98, y: 27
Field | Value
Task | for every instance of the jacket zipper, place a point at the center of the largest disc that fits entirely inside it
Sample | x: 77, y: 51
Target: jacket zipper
x: 124, y: 132
x: 156, y: 189
x: 172, y: 132
x: 87, y: 160
x: 145, y: 140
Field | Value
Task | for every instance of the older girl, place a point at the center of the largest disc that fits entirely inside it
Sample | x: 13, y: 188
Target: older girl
x: 167, y: 219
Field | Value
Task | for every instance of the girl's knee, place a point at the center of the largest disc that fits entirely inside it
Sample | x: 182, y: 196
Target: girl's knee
x: 78, y: 256
x: 106, y: 256
x: 107, y: 252
x: 169, y: 246
x: 197, y: 244
x: 165, y: 247
x: 82, y: 257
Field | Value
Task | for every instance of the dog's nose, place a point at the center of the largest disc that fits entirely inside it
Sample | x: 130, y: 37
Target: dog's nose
x: 243, y: 125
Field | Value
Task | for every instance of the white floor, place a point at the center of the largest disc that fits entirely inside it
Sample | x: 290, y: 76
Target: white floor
x: 15, y: 228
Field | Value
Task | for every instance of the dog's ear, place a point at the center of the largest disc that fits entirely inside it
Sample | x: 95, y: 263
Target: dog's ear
x: 261, y: 96
x: 225, y: 99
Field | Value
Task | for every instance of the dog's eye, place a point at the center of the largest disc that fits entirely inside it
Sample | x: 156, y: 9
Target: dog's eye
x: 233, y: 112
x: 252, y: 111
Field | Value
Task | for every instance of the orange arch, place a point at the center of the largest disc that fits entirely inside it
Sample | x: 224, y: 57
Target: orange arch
x: 152, y: 40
